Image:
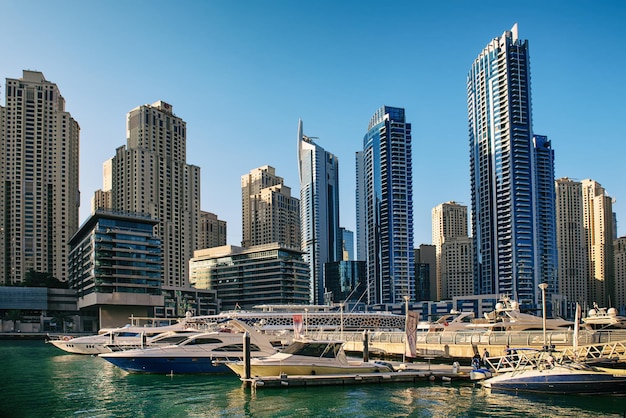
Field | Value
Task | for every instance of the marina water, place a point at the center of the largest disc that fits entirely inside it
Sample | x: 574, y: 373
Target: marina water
x: 39, y: 380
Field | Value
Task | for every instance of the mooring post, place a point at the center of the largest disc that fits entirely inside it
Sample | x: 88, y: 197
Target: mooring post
x: 366, y: 346
x: 246, y: 356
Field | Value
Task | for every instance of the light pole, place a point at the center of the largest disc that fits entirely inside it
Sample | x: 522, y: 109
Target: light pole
x: 543, y: 287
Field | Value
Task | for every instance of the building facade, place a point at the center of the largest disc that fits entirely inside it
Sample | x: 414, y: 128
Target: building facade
x: 245, y: 277
x: 115, y: 267
x: 599, y: 230
x: 39, y: 194
x: 456, y: 264
x: 449, y: 233
x: 571, y: 242
x: 511, y: 256
x: 212, y: 231
x: 385, y: 207
x: 620, y: 274
x: 425, y: 272
x: 269, y: 213
x: 319, y: 210
x: 348, y: 244
x: 150, y: 175
x: 345, y: 281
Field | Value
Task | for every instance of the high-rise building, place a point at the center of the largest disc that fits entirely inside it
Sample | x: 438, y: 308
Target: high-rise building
x: 269, y: 213
x: 345, y: 281
x: 571, y: 242
x: 39, y: 195
x: 348, y: 244
x: 425, y: 274
x: 384, y: 199
x: 598, y: 223
x: 212, y: 231
x: 454, y: 269
x: 151, y: 175
x: 620, y: 274
x: 319, y: 210
x: 509, y: 170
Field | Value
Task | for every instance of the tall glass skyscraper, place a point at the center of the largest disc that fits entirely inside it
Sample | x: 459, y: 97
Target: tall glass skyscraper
x: 384, y: 199
x: 321, y: 237
x: 513, y: 220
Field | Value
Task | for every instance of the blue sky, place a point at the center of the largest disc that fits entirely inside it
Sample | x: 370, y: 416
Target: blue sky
x: 241, y: 74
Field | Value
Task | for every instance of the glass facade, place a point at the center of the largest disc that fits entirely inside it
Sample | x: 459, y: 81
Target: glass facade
x: 385, y: 207
x: 345, y: 280
x: 114, y: 253
x: 511, y: 215
x: 319, y: 211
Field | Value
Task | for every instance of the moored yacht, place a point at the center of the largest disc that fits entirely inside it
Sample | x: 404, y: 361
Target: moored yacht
x: 309, y: 357
x: 603, y: 319
x: 128, y: 336
x: 544, y: 374
x: 200, y: 353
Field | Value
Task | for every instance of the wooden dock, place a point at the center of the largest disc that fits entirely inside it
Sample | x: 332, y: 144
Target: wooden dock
x: 412, y: 373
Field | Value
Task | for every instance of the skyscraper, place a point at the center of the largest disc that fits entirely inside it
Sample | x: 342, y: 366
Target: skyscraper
x: 571, y: 242
x: 598, y: 223
x: 269, y: 213
x: 508, y: 170
x: 319, y: 210
x: 151, y: 175
x: 39, y: 195
x: 453, y: 251
x: 619, y: 246
x: 384, y: 199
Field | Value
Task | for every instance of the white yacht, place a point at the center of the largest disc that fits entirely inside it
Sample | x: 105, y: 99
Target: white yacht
x: 113, y: 338
x: 200, y: 353
x: 309, y: 357
x: 603, y: 318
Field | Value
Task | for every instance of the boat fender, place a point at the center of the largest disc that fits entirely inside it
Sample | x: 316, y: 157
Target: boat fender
x: 455, y: 367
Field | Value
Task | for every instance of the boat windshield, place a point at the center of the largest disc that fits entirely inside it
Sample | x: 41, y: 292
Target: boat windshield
x: 313, y: 349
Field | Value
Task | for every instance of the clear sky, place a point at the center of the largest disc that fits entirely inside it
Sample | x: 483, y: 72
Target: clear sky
x: 241, y: 74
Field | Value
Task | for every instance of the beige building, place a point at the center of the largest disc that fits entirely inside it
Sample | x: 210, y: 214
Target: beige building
x: 456, y: 268
x: 598, y: 223
x: 39, y: 195
x: 212, y: 230
x: 572, y: 274
x: 453, y: 248
x: 269, y: 213
x: 150, y: 175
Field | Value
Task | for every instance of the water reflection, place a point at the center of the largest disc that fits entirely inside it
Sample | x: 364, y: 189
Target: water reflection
x: 38, y: 381
x: 542, y: 405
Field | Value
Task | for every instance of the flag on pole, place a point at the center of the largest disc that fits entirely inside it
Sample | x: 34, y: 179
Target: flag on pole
x: 297, y: 325
x: 411, y: 333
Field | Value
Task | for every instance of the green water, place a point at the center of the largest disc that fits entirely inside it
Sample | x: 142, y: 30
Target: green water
x: 38, y: 380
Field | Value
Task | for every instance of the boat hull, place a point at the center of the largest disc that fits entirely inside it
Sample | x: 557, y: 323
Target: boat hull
x: 304, y: 369
x: 75, y: 347
x: 561, y: 383
x: 169, y: 365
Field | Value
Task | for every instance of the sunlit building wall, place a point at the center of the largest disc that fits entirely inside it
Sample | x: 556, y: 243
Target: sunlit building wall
x: 39, y: 194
